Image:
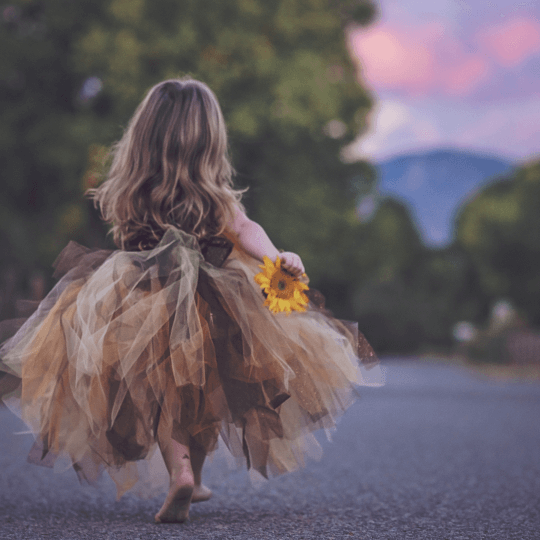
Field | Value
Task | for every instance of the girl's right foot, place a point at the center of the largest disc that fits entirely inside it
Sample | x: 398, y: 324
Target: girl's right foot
x: 175, y: 509
x: 201, y: 493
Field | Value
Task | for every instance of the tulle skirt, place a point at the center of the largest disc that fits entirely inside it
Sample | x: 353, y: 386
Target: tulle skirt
x: 127, y: 342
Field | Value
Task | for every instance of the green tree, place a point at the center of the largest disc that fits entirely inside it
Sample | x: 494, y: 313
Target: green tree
x: 408, y: 297
x: 384, y: 297
x: 500, y: 232
x: 44, y: 132
x: 280, y: 70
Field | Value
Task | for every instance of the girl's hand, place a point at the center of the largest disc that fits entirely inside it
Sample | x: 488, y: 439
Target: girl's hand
x: 292, y: 263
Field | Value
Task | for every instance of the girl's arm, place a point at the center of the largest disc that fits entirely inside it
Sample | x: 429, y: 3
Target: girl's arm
x: 252, y: 237
x: 254, y: 240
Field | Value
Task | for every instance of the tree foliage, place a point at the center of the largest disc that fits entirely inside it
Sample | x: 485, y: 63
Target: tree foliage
x: 500, y: 231
x: 280, y: 70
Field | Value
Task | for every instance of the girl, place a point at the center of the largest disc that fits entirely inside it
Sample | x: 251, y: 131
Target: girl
x: 166, y: 342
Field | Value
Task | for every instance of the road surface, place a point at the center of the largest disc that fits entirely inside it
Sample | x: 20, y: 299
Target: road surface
x: 437, y: 453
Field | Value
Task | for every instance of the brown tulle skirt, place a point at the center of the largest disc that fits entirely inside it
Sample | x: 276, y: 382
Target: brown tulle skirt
x: 127, y: 341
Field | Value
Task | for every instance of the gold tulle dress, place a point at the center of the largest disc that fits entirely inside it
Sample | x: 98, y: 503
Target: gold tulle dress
x: 129, y: 339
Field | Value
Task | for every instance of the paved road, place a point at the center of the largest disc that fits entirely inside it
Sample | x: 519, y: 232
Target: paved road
x: 435, y: 454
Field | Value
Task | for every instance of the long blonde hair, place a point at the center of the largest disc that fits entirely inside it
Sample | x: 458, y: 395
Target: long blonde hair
x: 170, y: 169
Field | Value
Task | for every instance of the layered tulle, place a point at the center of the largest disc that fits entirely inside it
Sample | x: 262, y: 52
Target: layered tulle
x: 129, y: 341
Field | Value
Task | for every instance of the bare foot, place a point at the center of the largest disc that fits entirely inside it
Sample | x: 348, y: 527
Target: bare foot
x: 175, y: 509
x: 201, y: 493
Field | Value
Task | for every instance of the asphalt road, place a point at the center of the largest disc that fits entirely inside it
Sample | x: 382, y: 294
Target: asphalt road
x: 435, y: 454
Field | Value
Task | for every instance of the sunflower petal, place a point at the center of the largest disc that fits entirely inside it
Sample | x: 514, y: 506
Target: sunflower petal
x: 269, y: 265
x: 262, y: 280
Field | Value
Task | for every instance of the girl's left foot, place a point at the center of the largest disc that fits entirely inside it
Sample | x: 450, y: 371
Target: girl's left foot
x: 201, y: 493
x: 175, y: 509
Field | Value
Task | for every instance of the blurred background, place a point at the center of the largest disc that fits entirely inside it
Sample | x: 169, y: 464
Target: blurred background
x: 394, y: 146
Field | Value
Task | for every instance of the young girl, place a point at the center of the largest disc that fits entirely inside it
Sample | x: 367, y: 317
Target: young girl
x: 166, y: 341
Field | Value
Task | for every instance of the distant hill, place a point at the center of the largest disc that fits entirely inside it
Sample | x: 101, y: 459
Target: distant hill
x: 435, y: 183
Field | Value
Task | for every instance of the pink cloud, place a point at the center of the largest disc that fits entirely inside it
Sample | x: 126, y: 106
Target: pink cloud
x: 466, y: 75
x: 512, y: 42
x: 391, y: 58
x: 420, y: 60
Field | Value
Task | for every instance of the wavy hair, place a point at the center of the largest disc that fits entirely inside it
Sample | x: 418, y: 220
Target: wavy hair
x: 170, y: 169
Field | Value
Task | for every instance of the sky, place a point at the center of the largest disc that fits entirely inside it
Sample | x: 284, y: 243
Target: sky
x: 451, y: 73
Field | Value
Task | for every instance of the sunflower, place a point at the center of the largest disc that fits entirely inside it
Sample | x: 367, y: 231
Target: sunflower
x: 282, y: 290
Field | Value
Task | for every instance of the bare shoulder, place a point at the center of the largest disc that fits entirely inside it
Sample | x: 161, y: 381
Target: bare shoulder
x: 240, y: 219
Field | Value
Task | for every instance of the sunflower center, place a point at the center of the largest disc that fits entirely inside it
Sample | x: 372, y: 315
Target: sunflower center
x: 282, y: 286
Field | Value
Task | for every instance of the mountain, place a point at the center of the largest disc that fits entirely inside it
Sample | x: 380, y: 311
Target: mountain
x: 435, y: 183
